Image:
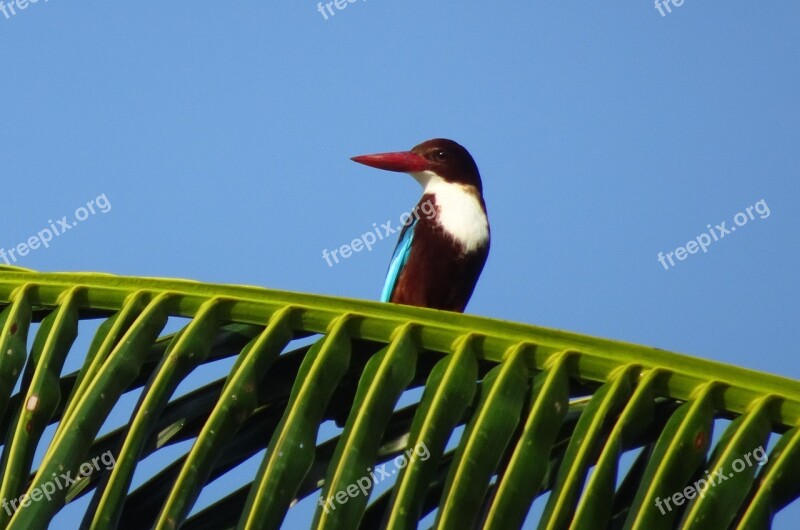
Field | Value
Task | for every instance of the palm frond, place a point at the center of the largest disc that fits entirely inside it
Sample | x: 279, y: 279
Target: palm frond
x: 476, y: 418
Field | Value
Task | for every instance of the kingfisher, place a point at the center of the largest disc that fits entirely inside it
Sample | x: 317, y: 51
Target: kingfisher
x: 439, y: 255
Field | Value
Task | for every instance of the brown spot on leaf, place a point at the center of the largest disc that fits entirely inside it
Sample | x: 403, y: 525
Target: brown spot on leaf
x: 700, y: 440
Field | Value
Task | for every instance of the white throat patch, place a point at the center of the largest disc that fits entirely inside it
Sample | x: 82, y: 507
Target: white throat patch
x: 459, y: 210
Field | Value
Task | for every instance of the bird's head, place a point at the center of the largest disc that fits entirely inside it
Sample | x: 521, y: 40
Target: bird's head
x: 435, y: 160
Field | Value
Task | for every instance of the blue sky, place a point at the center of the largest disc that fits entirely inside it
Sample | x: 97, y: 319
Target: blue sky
x: 220, y: 135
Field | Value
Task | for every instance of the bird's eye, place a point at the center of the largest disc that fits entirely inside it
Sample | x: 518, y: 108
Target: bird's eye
x: 440, y: 156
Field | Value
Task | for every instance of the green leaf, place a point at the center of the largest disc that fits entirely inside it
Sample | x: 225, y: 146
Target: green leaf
x: 291, y: 451
x: 556, y: 415
x: 448, y: 392
x: 350, y: 477
x: 680, y: 451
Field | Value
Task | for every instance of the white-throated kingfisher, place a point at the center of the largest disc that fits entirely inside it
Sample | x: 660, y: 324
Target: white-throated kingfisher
x: 438, y: 257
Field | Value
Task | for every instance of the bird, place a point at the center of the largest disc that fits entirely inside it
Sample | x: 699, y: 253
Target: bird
x: 439, y: 256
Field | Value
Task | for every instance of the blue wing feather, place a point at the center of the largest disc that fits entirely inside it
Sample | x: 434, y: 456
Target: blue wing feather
x: 399, y: 259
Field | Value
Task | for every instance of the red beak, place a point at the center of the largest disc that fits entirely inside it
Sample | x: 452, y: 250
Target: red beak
x: 405, y: 162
